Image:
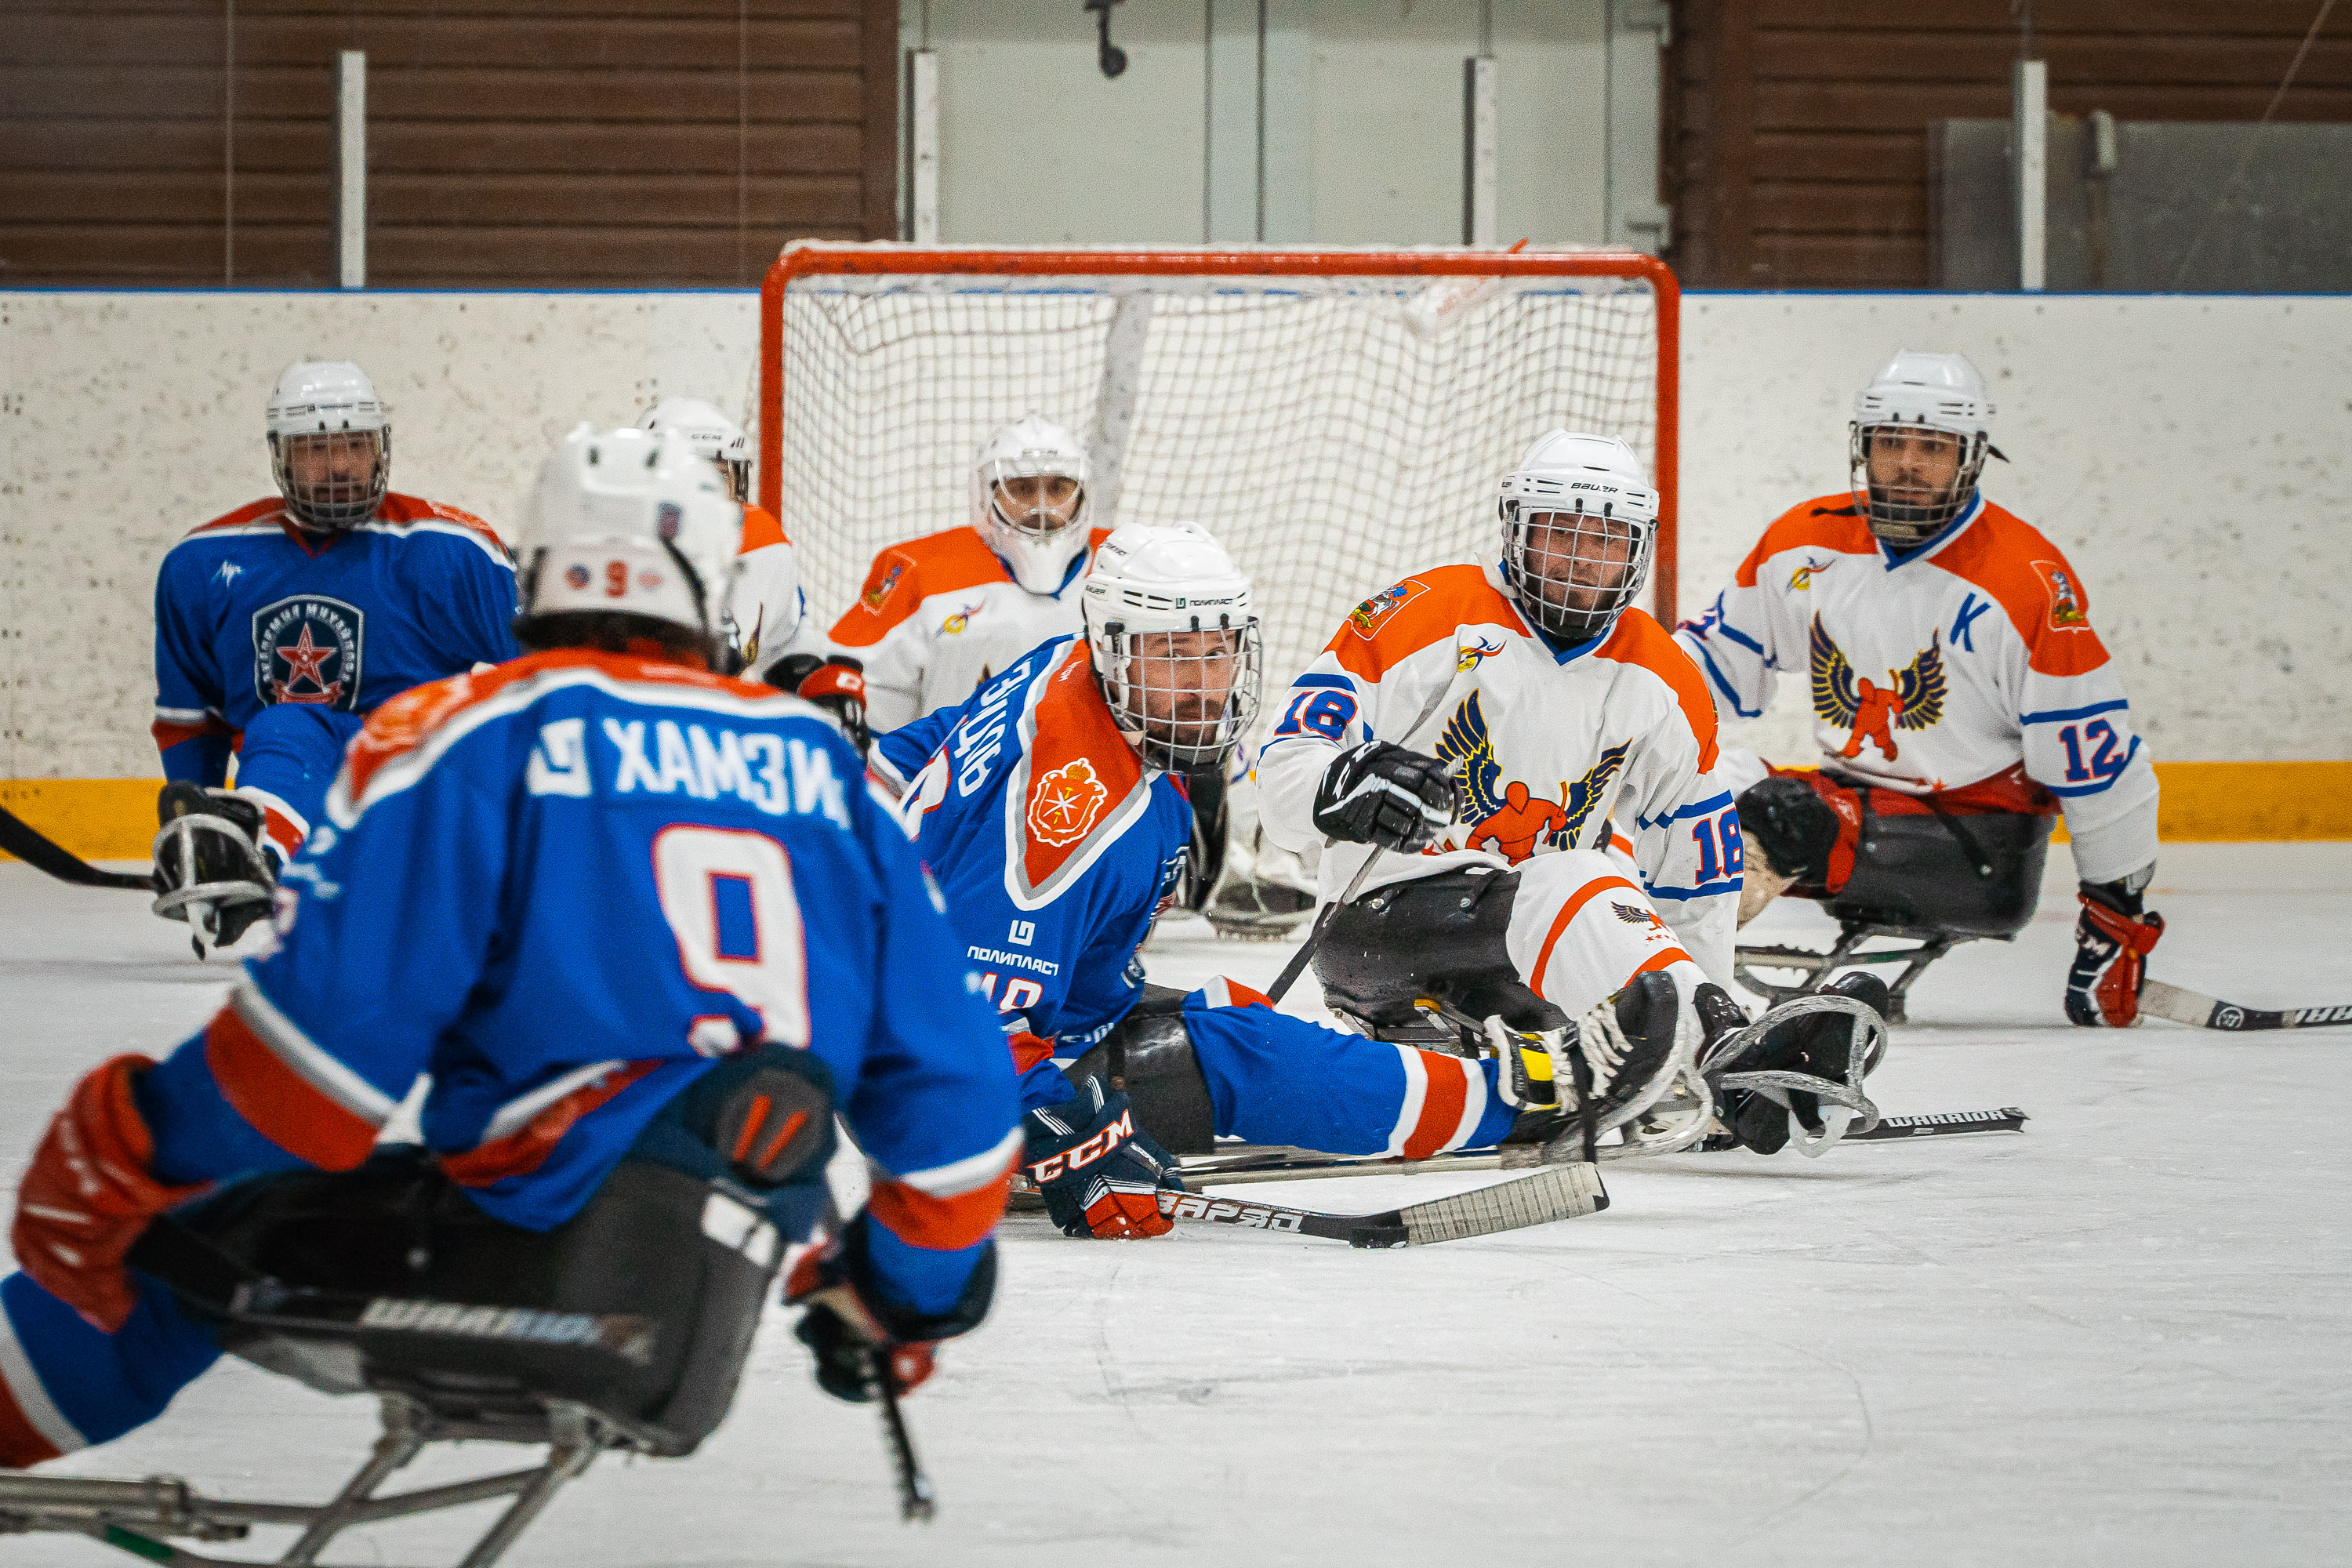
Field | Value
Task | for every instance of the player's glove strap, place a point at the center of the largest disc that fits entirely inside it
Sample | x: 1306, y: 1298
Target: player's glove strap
x: 851, y: 1322
x: 2111, y: 949
x: 1098, y: 1175
x: 1383, y: 794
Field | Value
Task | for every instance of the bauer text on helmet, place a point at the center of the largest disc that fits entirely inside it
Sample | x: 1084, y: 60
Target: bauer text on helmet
x: 1175, y: 643
x: 713, y: 434
x: 1580, y: 524
x: 633, y: 523
x: 330, y: 444
x: 1921, y: 432
x: 1029, y: 501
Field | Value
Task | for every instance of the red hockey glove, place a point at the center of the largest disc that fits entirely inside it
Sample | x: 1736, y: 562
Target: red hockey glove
x: 2111, y: 949
x: 836, y: 683
x: 89, y: 1193
x: 845, y: 1336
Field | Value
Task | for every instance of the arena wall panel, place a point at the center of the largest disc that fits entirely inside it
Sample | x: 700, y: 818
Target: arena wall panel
x: 2192, y: 456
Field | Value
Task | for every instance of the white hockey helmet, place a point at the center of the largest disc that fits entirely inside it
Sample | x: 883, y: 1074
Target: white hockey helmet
x: 1175, y: 643
x: 636, y: 523
x: 320, y: 406
x: 1917, y: 393
x: 714, y: 436
x: 1579, y: 526
x: 1037, y: 536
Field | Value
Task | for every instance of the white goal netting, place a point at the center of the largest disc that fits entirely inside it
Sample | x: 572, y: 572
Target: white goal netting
x: 1336, y: 433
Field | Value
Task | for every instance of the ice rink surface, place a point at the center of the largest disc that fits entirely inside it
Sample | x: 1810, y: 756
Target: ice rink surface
x: 2123, y: 1336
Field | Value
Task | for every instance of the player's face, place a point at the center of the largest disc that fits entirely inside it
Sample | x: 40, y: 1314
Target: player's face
x: 1185, y: 680
x: 1914, y: 467
x: 332, y: 462
x: 1038, y: 503
x: 1579, y: 563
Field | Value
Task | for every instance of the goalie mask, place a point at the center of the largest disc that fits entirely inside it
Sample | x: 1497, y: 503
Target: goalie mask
x: 1918, y: 442
x: 1175, y: 643
x: 1580, y: 523
x: 330, y: 445
x: 711, y: 433
x: 636, y: 523
x: 1029, y: 502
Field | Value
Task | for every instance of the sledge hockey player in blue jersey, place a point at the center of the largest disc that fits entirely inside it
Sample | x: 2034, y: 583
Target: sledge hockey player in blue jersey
x: 626, y: 912
x: 282, y: 625
x: 1051, y: 807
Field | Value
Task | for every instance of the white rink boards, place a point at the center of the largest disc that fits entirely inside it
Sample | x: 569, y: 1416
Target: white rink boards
x: 2123, y: 1336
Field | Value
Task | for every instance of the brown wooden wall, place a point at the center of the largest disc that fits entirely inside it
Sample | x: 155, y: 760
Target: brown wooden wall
x: 1796, y: 147
x: 511, y: 142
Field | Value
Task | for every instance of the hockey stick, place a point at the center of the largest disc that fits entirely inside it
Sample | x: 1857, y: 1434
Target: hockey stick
x: 1557, y: 1192
x: 2205, y: 1012
x: 19, y: 838
x: 915, y: 1503
x: 1240, y: 1169
x: 1306, y: 953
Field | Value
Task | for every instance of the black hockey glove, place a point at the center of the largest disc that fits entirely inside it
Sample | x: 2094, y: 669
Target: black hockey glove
x: 2112, y: 937
x: 836, y: 683
x: 1099, y: 1175
x: 853, y: 1329
x: 1382, y: 794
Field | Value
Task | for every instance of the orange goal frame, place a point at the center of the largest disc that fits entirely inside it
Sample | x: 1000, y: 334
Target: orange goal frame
x: 802, y: 260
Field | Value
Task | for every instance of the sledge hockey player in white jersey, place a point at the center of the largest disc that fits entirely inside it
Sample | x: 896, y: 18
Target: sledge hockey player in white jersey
x: 1536, y: 700
x: 282, y: 625
x: 648, y: 933
x: 1960, y: 700
x: 940, y: 615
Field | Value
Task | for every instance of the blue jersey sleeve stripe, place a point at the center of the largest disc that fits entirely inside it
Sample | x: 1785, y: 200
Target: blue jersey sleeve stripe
x: 1338, y: 682
x: 2060, y: 716
x: 1704, y: 891
x: 1711, y: 804
x: 1707, y: 662
x: 1742, y: 639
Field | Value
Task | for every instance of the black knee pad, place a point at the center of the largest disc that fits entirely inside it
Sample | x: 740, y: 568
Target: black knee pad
x: 1792, y: 825
x: 1423, y: 938
x: 1164, y: 1077
x: 1964, y: 876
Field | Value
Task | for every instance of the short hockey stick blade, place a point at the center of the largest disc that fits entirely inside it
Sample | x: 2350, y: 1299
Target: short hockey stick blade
x: 2010, y: 1119
x: 2205, y: 1012
x: 1556, y: 1192
x: 19, y: 838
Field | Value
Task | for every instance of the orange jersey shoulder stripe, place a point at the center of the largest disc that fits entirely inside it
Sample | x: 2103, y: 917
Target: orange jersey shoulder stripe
x: 762, y: 528
x: 2035, y: 586
x: 269, y: 509
x: 1638, y: 639
x: 904, y: 575
x: 279, y: 1102
x: 402, y: 724
x: 1397, y: 623
x: 397, y: 508
x: 1825, y: 522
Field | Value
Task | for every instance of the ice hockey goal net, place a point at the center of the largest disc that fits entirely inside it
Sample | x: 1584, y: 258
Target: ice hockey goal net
x: 1340, y: 419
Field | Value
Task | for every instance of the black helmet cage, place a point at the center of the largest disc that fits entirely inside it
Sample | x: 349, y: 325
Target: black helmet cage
x: 1588, y: 535
x: 331, y: 508
x: 1900, y: 525
x: 1116, y: 657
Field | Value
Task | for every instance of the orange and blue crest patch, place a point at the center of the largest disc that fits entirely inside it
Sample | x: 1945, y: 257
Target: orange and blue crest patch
x: 1366, y: 618
x: 2067, y: 612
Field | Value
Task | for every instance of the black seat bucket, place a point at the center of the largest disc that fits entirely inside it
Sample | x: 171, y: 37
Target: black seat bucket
x: 1956, y: 876
x: 641, y: 1308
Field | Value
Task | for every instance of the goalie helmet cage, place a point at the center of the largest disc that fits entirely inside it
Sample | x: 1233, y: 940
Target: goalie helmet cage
x: 1338, y: 418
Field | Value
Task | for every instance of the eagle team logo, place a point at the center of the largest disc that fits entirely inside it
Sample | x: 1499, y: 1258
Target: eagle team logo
x: 1067, y: 802
x: 1366, y: 618
x: 1912, y: 698
x: 307, y: 649
x: 1471, y: 658
x: 954, y: 624
x: 1512, y: 822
